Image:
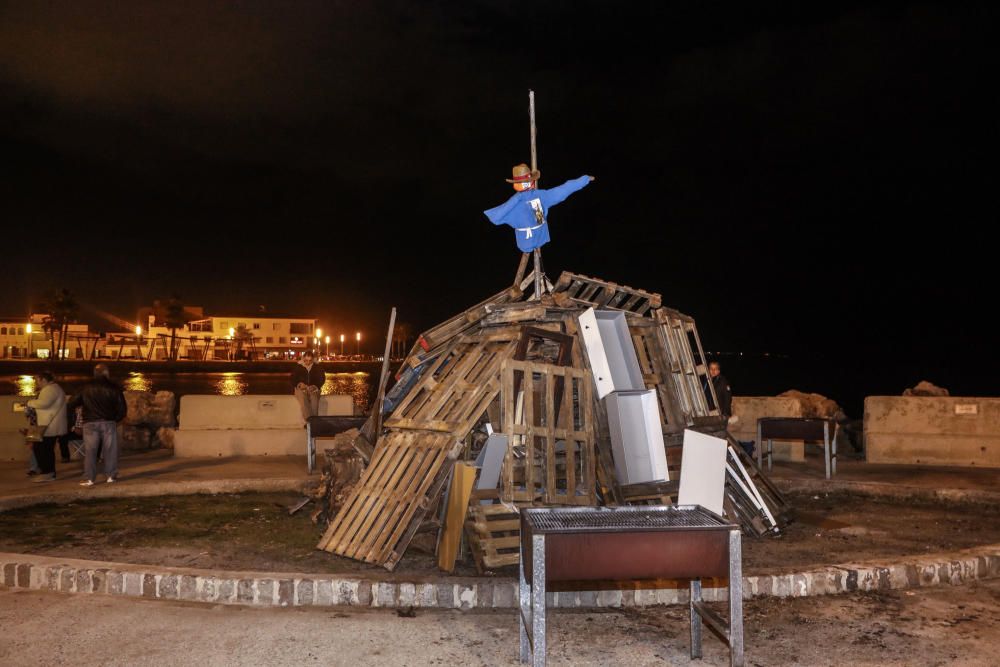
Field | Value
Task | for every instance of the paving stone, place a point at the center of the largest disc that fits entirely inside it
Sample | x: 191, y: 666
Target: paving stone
x: 286, y: 592
x: 265, y: 591
x: 244, y: 591
x: 484, y: 595
x: 364, y: 593
x: 385, y: 594
x: 99, y: 581
x: 425, y: 595
x: 407, y: 595
x: 149, y: 586
x: 24, y: 575
x: 116, y: 583
x: 505, y: 596
x: 324, y: 592
x: 609, y: 598
x: 226, y: 590
x: 133, y: 583
x: 52, y: 578
x: 10, y: 574
x: 188, y: 588
x: 446, y: 596
x: 208, y: 589
x: 466, y: 596
x: 168, y: 587
x: 304, y: 592
x: 67, y: 580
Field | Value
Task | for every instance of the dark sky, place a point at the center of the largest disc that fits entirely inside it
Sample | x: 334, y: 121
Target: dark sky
x: 814, y: 179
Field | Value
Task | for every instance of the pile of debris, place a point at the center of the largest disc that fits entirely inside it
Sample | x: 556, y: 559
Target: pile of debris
x: 577, y: 394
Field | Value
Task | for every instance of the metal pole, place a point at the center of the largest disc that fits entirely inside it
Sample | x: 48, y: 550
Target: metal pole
x: 537, y: 253
x: 384, y: 376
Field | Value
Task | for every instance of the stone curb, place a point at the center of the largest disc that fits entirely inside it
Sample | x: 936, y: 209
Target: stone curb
x: 147, y: 489
x: 26, y: 571
x: 887, y: 490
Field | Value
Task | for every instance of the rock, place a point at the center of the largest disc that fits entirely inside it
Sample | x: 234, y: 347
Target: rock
x: 138, y: 406
x: 816, y: 405
x: 165, y: 437
x: 925, y: 388
x: 134, y: 437
x: 162, y: 409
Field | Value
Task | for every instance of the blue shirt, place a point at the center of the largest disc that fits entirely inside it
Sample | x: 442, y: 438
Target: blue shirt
x: 528, y: 210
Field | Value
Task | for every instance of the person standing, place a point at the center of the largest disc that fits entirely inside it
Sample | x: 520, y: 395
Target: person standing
x: 50, y: 410
x: 722, y: 390
x: 307, y: 384
x: 104, y: 406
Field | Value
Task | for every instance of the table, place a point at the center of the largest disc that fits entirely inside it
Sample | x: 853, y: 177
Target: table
x: 629, y: 543
x: 797, y: 428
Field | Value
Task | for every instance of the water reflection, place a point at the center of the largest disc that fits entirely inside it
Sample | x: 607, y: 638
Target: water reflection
x: 231, y: 384
x: 355, y: 384
x: 137, y: 382
x: 26, y: 385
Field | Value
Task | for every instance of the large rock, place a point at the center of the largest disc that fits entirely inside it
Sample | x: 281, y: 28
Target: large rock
x: 816, y: 405
x: 925, y: 388
x: 138, y: 407
x: 165, y: 437
x: 162, y: 409
x: 132, y: 438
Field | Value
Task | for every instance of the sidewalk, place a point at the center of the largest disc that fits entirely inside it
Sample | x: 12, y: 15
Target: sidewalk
x: 157, y: 472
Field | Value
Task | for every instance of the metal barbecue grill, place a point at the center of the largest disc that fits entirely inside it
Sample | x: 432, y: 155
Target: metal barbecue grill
x: 628, y: 544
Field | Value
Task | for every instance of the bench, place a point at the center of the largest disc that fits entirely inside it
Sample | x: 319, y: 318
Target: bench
x: 770, y: 429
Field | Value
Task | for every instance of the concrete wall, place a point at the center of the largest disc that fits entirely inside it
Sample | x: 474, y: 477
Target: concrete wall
x: 949, y: 430
x: 268, y: 425
x: 751, y: 408
x: 12, y: 447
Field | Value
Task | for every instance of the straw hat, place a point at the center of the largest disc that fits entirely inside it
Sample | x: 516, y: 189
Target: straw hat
x: 522, y: 173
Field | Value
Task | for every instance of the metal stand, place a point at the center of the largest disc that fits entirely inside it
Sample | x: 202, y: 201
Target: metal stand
x: 795, y: 428
x: 731, y: 632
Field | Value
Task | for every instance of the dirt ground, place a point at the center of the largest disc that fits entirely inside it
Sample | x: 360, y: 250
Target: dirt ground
x: 932, y: 626
x: 255, y: 532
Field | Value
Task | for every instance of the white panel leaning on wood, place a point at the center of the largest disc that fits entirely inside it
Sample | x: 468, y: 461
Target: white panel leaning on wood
x: 703, y: 471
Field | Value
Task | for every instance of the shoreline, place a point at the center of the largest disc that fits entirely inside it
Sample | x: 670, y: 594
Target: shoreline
x: 81, y: 366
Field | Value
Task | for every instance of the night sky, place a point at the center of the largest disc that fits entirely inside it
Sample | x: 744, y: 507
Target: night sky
x: 814, y: 180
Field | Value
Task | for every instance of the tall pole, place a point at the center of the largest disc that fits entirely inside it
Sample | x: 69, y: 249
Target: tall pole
x: 537, y: 253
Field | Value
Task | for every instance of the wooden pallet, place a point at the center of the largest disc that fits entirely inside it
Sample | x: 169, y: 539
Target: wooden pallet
x: 549, y: 421
x: 494, y: 535
x: 573, y: 287
x: 403, y: 481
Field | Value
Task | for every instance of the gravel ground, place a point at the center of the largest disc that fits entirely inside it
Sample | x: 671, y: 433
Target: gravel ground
x: 937, y: 626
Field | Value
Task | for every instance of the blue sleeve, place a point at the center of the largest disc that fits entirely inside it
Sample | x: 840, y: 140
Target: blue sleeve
x: 496, y: 215
x: 560, y: 192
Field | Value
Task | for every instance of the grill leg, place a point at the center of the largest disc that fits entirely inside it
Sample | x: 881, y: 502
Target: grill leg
x: 735, y: 599
x: 524, y: 617
x: 538, y: 600
x: 770, y: 455
x: 695, y: 619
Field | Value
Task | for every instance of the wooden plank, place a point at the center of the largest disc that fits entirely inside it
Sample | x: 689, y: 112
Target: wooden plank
x: 462, y: 480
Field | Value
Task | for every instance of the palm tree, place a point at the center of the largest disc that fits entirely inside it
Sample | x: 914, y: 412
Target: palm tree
x: 62, y: 311
x: 400, y: 337
x: 174, y: 318
x: 242, y: 336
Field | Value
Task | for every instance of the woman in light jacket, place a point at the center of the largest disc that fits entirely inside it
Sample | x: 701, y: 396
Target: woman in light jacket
x: 50, y: 406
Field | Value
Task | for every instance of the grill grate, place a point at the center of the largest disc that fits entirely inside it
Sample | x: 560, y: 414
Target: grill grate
x: 621, y: 518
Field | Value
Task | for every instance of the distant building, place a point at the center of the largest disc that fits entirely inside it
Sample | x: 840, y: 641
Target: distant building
x: 24, y: 337
x: 256, y: 336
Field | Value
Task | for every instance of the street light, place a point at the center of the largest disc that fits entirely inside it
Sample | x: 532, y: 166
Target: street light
x: 27, y: 328
x: 357, y: 337
x: 319, y: 332
x: 328, y: 346
x: 138, y: 341
x: 341, y: 344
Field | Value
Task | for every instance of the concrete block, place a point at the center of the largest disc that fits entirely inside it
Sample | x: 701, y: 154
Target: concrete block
x: 749, y: 409
x: 324, y: 592
x: 265, y: 591
x: 286, y: 592
x: 273, y: 411
x: 305, y: 592
x: 932, y: 430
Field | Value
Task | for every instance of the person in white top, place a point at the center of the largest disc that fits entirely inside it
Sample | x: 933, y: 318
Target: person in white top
x: 50, y: 406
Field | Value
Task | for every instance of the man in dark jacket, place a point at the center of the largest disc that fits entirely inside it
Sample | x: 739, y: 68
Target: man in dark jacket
x: 307, y: 384
x: 103, y: 404
x: 722, y: 390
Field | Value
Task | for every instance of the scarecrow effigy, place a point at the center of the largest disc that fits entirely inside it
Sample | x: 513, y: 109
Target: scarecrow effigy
x: 527, y: 210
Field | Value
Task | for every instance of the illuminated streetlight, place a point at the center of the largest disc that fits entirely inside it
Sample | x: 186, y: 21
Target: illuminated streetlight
x: 138, y: 331
x: 319, y: 332
x: 357, y: 337
x: 232, y: 332
x: 27, y: 328
x: 342, y: 344
x: 328, y: 346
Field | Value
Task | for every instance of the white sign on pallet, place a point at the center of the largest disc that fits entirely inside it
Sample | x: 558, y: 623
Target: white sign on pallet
x: 703, y: 471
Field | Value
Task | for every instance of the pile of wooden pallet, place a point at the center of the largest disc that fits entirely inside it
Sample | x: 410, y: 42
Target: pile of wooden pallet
x: 515, y: 365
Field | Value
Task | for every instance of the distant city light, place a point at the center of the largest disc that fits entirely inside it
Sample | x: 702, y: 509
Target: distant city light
x: 138, y: 330
x: 232, y: 332
x: 327, y: 340
x: 28, y: 328
x: 319, y: 333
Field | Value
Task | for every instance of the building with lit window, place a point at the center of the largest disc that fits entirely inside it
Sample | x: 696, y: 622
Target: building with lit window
x: 23, y: 337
